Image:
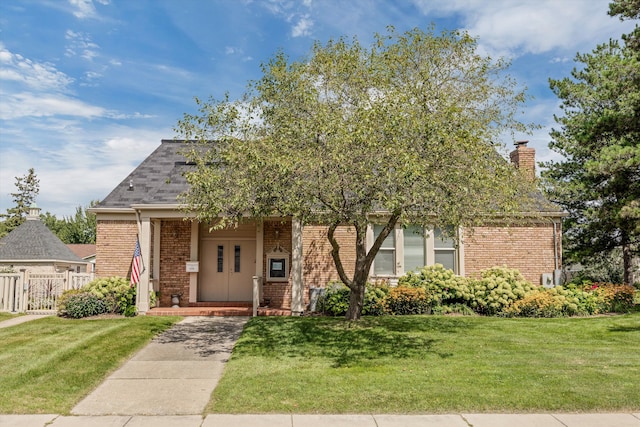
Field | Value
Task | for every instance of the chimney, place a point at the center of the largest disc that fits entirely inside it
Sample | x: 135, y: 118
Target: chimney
x: 524, y: 158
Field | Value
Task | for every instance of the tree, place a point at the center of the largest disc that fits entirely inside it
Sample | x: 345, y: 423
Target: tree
x: 77, y: 229
x: 598, y: 180
x: 405, y: 129
x: 27, y: 188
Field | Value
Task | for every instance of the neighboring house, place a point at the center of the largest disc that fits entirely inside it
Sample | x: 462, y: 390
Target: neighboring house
x: 185, y: 258
x: 87, y: 252
x: 34, y: 248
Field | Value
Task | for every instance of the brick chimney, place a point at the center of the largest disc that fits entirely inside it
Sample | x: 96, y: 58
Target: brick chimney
x: 524, y: 158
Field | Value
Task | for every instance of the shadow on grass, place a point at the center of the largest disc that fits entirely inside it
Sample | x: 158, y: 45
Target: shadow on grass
x: 346, y: 343
x: 619, y: 328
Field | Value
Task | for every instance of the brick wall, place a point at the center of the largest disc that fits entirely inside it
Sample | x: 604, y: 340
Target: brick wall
x: 528, y: 248
x: 115, y: 243
x: 175, y: 250
x: 318, y: 268
x: 278, y: 293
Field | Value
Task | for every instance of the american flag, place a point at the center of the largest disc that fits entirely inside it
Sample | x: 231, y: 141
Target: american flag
x: 136, y: 265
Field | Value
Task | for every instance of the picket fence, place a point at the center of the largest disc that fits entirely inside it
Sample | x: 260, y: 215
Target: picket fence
x: 26, y: 292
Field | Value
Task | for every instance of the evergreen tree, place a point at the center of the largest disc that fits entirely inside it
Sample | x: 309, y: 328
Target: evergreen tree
x: 27, y: 188
x: 598, y: 181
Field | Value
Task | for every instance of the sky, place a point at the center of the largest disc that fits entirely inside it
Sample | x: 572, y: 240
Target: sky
x: 89, y: 88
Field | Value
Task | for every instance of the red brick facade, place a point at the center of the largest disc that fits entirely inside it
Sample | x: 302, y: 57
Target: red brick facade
x: 530, y: 249
x: 175, y: 250
x: 115, y: 243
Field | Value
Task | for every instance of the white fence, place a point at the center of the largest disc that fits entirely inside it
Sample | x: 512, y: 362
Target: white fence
x: 37, y: 292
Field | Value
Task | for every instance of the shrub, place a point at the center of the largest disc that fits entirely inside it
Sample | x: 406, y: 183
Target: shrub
x: 408, y: 300
x: 116, y: 292
x: 541, y: 303
x: 442, y: 286
x: 613, y: 298
x: 62, y: 301
x: 497, y: 289
x: 83, y: 304
x: 335, y: 301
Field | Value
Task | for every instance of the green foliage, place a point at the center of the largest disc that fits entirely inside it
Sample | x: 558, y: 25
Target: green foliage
x: 335, y: 301
x: 442, y: 286
x: 574, y: 300
x: 27, y: 188
x: 407, y: 300
x: 598, y: 179
x: 116, y: 292
x: 79, y: 229
x: 497, y: 289
x: 84, y: 304
x: 406, y: 126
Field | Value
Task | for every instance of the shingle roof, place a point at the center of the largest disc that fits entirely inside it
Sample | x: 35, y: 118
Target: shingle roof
x: 83, y: 250
x: 157, y: 180
x: 32, y: 240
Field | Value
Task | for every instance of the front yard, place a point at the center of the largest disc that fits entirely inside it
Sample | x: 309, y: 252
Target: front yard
x: 433, y: 364
x: 48, y: 365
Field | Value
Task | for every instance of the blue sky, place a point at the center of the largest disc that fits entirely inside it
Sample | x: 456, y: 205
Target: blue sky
x: 89, y: 88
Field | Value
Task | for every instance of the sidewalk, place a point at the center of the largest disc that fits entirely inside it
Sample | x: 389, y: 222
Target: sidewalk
x: 281, y: 420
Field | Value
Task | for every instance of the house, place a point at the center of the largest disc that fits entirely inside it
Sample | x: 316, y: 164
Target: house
x: 33, y: 247
x: 192, y: 265
x: 87, y: 252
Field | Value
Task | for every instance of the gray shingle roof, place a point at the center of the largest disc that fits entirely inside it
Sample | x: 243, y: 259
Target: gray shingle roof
x: 157, y: 180
x: 32, y: 240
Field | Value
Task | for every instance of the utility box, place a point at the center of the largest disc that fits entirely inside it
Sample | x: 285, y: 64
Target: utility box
x: 547, y: 280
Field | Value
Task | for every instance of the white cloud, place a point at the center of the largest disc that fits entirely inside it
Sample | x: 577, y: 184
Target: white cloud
x: 27, y: 104
x: 303, y: 27
x: 35, y: 75
x: 80, y: 44
x: 532, y: 26
x: 84, y: 9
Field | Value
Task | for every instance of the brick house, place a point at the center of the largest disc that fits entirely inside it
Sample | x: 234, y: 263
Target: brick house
x: 279, y: 257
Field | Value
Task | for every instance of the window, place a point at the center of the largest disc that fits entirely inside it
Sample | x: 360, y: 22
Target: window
x: 386, y: 258
x: 412, y: 247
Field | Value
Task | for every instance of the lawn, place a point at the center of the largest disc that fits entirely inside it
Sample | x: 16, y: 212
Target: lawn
x: 50, y: 364
x: 7, y: 316
x: 433, y: 364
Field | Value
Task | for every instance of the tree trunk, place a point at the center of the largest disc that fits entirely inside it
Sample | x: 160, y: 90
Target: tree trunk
x: 356, y: 301
x: 631, y: 265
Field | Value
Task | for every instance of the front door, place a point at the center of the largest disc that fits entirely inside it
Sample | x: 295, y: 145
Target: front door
x: 227, y: 268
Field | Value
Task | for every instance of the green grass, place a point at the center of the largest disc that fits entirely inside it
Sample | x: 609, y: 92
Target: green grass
x: 7, y: 316
x: 433, y: 364
x: 49, y: 365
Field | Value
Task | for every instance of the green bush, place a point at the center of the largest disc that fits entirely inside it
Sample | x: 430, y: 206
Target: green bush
x: 442, y: 286
x: 117, y: 294
x: 335, y: 301
x: 497, y: 289
x: 407, y: 300
x: 83, y: 304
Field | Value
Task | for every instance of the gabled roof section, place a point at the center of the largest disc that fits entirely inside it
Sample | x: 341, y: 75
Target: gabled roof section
x: 83, y: 251
x: 157, y: 180
x: 33, y: 241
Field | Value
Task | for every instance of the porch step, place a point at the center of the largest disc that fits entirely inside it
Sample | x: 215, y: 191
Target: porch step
x: 221, y: 304
x: 216, y: 311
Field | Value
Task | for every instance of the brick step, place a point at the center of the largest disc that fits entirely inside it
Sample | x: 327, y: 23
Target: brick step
x: 221, y: 304
x: 216, y: 311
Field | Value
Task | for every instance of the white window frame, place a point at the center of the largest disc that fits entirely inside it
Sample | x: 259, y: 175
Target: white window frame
x: 430, y: 250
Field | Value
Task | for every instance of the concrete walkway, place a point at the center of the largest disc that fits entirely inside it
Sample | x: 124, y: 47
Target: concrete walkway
x: 173, y: 375
x: 288, y: 420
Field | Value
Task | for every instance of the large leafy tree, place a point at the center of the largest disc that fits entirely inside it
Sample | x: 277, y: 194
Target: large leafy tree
x: 598, y: 179
x: 27, y: 188
x: 79, y: 228
x: 406, y: 128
